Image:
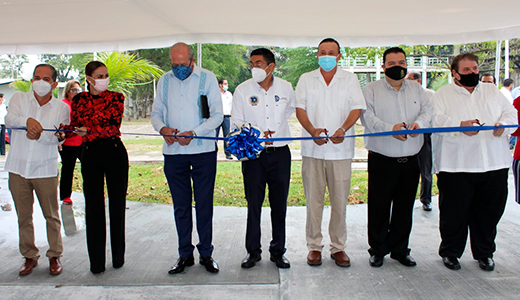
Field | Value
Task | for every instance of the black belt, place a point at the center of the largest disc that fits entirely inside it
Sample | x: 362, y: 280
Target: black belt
x: 273, y: 149
x: 103, y: 140
x: 227, y: 116
x: 401, y: 160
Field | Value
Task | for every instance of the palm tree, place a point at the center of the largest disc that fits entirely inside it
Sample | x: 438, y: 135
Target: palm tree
x: 127, y: 70
x: 21, y: 85
x: 440, y: 80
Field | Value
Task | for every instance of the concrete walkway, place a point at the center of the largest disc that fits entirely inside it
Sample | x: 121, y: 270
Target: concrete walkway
x: 152, y: 250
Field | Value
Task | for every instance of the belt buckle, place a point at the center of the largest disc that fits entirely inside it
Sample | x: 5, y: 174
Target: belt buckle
x: 402, y: 160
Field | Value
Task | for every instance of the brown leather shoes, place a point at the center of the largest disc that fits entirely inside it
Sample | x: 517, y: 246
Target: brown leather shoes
x: 28, y: 266
x: 341, y: 258
x: 314, y: 258
x: 55, y: 267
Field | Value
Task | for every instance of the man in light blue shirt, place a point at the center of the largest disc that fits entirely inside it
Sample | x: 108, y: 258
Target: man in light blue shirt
x: 188, y: 104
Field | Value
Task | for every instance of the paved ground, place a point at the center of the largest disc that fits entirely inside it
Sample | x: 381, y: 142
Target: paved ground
x: 151, y: 250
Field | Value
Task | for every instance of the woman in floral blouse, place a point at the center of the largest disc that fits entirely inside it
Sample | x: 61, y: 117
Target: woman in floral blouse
x: 96, y: 116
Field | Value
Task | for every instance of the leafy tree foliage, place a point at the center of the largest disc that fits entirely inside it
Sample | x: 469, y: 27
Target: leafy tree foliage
x: 61, y: 63
x: 298, y: 61
x: 143, y: 94
x: 21, y: 85
x: 66, y: 64
x: 127, y: 71
x: 226, y: 61
x: 11, y: 65
x: 78, y: 63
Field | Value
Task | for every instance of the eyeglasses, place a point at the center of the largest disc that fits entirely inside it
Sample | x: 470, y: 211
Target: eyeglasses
x: 75, y: 91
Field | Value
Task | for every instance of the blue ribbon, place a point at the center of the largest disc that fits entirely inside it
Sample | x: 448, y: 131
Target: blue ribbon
x: 246, y: 142
x: 401, y: 132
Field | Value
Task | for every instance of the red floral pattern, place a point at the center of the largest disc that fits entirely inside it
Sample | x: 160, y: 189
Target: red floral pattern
x: 100, y: 114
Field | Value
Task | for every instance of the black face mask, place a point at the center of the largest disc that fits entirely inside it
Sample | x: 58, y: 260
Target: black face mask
x: 469, y: 80
x: 396, y: 73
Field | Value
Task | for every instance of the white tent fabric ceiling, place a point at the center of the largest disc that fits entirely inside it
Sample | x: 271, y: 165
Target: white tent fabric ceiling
x: 76, y: 26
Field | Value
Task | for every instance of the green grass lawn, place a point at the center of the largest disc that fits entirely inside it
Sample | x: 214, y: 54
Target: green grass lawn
x: 147, y: 183
x: 144, y: 144
x: 359, y: 140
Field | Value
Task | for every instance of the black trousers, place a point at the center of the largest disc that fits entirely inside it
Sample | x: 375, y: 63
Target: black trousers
x: 274, y: 169
x: 425, y: 164
x: 392, y: 185
x: 69, y: 155
x: 2, y: 139
x: 105, y: 158
x: 474, y: 201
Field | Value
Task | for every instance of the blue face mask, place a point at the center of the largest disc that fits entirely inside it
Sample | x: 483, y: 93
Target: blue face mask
x: 327, y: 62
x: 181, y: 72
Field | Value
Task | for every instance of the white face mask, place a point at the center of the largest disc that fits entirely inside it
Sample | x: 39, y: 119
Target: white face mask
x: 41, y: 88
x: 259, y: 74
x: 102, y: 84
x: 225, y: 87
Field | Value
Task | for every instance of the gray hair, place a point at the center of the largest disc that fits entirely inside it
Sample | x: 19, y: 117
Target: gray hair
x: 68, y: 86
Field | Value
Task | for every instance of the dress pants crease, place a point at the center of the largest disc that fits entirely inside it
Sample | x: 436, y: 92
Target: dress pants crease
x: 47, y: 193
x: 102, y: 159
x: 180, y: 170
x: 317, y: 175
x: 474, y: 203
x: 272, y: 170
x: 392, y: 186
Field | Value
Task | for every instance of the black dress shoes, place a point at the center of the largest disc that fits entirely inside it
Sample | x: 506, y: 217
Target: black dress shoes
x: 181, y: 264
x: 486, y: 264
x: 405, y: 260
x: 280, y: 261
x: 427, y: 207
x: 376, y: 261
x: 451, y: 262
x: 209, y: 263
x: 251, y: 260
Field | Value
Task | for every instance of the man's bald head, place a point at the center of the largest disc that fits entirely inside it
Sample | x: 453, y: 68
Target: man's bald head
x: 181, y: 49
x: 181, y: 58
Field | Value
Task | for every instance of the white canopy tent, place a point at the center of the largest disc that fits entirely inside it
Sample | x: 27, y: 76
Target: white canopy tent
x: 75, y: 26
